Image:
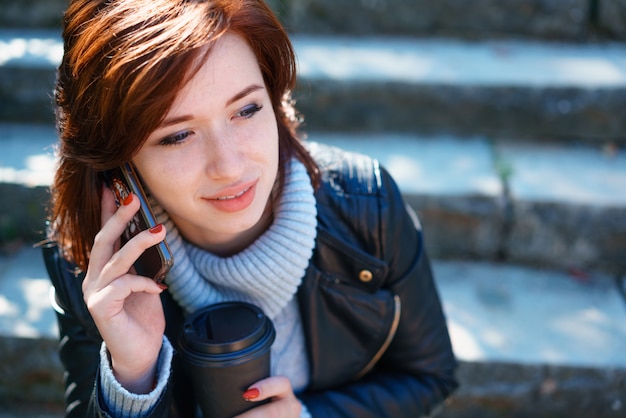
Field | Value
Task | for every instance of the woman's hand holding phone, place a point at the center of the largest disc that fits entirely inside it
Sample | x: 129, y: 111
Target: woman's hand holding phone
x: 125, y: 307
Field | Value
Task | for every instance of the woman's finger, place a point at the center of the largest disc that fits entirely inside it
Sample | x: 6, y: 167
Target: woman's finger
x: 271, y: 387
x: 121, y: 261
x: 284, y: 403
x: 105, y: 241
x: 113, y: 296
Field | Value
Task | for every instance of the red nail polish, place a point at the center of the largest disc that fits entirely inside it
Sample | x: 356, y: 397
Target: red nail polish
x: 251, y: 394
x: 156, y: 229
x: 127, y: 199
x: 163, y: 286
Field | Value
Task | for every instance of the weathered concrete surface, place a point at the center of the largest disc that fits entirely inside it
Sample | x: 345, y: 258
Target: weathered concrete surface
x: 463, y: 110
x: 492, y: 88
x: 564, y: 19
x: 30, y: 371
x: 26, y: 170
x: 28, y: 61
x: 462, y: 227
x: 487, y: 389
x: 517, y: 89
x: 26, y: 94
x: 554, y: 339
x: 32, y: 13
x: 547, y: 19
x: 612, y: 17
x: 570, y: 236
x: 566, y: 235
x: 22, y: 213
x: 531, y: 203
x: 506, y: 312
x: 474, y: 19
x: 500, y: 390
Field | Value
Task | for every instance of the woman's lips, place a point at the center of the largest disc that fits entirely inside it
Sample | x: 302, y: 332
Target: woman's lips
x: 235, y: 196
x: 234, y: 199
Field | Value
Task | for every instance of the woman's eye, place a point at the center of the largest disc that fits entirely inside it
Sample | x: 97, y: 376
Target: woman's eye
x: 249, y: 111
x: 175, y: 139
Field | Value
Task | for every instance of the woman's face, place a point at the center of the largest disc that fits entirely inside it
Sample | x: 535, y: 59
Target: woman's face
x: 213, y: 162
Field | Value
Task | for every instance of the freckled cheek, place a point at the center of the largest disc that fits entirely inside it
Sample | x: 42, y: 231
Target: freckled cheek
x: 165, y: 181
x: 264, y: 140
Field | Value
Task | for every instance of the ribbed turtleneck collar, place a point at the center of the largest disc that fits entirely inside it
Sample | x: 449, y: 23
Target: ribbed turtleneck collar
x: 267, y: 273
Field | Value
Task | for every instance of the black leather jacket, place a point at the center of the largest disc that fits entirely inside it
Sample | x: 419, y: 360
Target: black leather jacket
x: 376, y: 335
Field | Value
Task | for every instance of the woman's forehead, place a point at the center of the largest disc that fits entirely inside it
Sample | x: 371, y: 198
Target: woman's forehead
x: 226, y: 70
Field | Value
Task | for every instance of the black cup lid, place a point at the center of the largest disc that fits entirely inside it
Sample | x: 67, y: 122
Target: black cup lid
x: 226, y: 327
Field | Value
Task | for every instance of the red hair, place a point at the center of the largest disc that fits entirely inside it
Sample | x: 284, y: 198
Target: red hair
x: 124, y: 63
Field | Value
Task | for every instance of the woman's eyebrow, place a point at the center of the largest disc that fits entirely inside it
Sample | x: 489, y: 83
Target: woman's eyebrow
x: 174, y: 121
x: 243, y: 93
x: 184, y: 118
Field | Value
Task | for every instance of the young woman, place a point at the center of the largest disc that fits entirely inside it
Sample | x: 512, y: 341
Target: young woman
x: 196, y: 95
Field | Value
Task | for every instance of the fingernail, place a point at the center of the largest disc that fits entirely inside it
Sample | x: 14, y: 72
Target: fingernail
x: 163, y: 286
x: 156, y: 229
x: 127, y: 199
x: 251, y: 394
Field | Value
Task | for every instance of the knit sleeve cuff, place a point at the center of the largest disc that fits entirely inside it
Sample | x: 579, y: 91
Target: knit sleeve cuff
x: 119, y: 401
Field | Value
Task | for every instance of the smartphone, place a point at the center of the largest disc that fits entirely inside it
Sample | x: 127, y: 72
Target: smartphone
x: 157, y: 260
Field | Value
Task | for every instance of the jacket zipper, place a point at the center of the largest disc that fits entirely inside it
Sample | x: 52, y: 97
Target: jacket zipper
x: 390, y: 335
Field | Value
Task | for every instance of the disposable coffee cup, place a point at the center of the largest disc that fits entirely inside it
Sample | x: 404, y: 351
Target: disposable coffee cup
x: 226, y: 348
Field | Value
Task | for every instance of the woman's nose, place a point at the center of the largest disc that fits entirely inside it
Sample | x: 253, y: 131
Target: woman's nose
x: 224, y: 160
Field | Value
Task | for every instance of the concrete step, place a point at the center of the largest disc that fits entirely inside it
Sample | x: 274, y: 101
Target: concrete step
x: 512, y: 89
x: 479, y: 19
x: 572, y: 19
x: 508, y: 89
x: 28, y: 61
x: 523, y: 202
x: 478, y: 198
x: 33, y: 14
x: 531, y: 342
x: 26, y: 168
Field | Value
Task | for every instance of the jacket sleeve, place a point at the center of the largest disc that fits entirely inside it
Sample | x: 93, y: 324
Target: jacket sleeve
x: 80, y: 341
x: 416, y: 372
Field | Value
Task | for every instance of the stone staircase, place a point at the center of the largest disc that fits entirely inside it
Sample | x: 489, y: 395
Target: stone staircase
x: 503, y: 123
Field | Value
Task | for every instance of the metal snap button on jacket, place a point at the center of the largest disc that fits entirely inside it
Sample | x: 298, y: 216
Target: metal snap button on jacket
x: 366, y: 276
